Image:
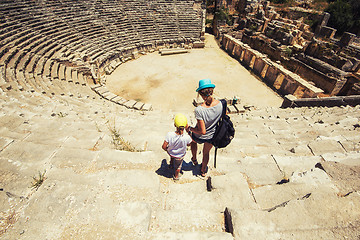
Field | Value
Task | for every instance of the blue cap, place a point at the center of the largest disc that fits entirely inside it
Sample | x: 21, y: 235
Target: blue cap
x: 205, y: 83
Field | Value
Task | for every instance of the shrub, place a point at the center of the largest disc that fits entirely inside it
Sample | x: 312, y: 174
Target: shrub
x: 341, y: 16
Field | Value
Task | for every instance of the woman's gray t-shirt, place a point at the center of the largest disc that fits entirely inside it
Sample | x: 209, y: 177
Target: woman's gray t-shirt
x: 210, y: 116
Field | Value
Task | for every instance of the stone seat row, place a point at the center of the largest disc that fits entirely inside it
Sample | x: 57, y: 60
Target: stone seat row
x: 26, y: 64
x: 132, y: 104
x: 29, y: 41
x: 36, y: 40
x: 55, y: 84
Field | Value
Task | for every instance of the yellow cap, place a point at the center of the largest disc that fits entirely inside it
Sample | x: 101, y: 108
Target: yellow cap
x: 180, y: 120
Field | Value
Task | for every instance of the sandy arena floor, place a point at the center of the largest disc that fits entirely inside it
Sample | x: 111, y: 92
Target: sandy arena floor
x: 169, y: 82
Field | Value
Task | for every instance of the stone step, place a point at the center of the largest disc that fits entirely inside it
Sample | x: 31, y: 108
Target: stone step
x: 192, y: 235
x: 351, y: 159
x: 300, y: 217
x: 185, y: 220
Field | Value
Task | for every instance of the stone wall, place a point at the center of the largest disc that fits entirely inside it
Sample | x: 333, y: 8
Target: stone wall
x: 292, y: 101
x: 273, y: 74
x: 308, y: 68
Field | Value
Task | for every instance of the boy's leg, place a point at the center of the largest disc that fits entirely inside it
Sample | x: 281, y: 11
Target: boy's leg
x: 177, y: 167
x: 171, y: 165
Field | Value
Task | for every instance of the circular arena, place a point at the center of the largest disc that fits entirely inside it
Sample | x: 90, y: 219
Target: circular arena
x: 86, y: 101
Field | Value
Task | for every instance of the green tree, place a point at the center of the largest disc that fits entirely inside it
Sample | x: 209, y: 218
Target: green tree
x: 223, y: 14
x: 342, y: 17
x: 279, y: 1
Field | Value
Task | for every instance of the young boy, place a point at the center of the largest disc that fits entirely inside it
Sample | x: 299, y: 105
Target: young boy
x: 175, y: 144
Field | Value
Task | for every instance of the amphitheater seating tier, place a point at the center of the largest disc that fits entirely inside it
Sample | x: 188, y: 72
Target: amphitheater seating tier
x: 41, y: 40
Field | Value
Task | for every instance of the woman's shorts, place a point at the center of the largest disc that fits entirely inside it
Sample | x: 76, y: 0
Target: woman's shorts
x: 199, y: 140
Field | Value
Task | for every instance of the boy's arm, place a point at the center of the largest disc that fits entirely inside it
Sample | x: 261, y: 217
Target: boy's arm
x: 165, y: 145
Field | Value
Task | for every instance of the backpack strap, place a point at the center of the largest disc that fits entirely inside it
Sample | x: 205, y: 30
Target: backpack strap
x: 224, y: 103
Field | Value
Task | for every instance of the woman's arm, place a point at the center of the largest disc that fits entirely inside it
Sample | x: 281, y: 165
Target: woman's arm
x: 199, y: 128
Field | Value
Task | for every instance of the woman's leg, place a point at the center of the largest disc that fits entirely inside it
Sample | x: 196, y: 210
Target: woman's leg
x: 206, y: 156
x: 193, y: 146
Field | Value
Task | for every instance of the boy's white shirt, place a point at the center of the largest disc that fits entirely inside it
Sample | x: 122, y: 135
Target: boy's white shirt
x: 177, y: 144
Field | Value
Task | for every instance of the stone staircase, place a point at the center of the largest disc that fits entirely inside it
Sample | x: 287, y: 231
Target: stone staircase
x: 277, y: 180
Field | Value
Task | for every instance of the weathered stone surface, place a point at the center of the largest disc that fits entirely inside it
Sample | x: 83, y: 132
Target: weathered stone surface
x: 190, y: 195
x: 198, y: 44
x: 289, y: 164
x: 172, y: 51
x: 78, y: 160
x: 300, y: 215
x: 109, y: 95
x: 351, y: 159
x: 232, y: 109
x: 116, y: 159
x: 102, y: 90
x: 91, y: 138
x: 195, y: 219
x: 28, y: 153
x: 130, y: 103
x: 321, y: 147
x: 344, y: 176
x: 232, y: 190
x: 261, y: 170
x: 4, y: 142
x: 138, y: 105
x: 192, y: 235
x: 147, y: 107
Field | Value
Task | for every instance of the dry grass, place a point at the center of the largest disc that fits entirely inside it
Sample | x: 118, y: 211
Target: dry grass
x: 37, y: 182
x: 118, y: 141
x: 7, y: 220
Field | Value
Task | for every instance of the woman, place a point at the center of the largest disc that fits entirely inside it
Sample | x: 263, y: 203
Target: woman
x: 207, y: 116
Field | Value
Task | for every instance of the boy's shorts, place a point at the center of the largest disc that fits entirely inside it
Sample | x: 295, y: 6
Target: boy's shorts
x: 199, y: 140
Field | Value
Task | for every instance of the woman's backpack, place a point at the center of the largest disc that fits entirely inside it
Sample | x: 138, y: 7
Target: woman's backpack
x: 225, y: 131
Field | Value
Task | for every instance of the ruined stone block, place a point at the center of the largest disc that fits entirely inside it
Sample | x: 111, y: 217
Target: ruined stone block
x: 325, y: 146
x: 239, y: 108
x: 146, y: 107
x: 109, y: 95
x: 173, y: 51
x: 352, y: 100
x: 130, y: 103
x: 232, y: 109
x: 138, y: 105
x: 198, y: 44
x: 248, y: 59
x: 271, y: 75
x: 288, y: 86
x: 278, y: 81
x: 327, y: 32
x: 259, y: 65
x: 118, y: 100
x: 347, y: 39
